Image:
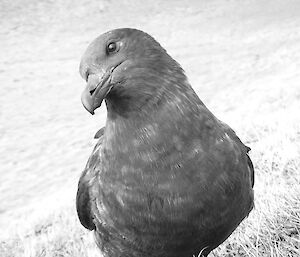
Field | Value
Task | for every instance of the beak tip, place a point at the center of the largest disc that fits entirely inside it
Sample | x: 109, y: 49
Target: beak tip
x: 87, y: 102
x: 97, y: 89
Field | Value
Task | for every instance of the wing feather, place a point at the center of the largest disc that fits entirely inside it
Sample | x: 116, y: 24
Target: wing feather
x: 84, y: 198
x: 233, y: 135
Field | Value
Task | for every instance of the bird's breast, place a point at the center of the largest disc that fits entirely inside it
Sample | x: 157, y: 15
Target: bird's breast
x: 166, y: 181
x: 152, y: 173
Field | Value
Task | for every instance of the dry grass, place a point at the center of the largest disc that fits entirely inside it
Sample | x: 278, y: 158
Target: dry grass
x: 57, y: 235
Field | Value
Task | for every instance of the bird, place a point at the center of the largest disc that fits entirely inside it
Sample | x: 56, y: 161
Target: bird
x: 166, y: 177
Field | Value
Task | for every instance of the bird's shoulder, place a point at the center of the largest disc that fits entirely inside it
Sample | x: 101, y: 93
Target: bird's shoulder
x: 221, y: 147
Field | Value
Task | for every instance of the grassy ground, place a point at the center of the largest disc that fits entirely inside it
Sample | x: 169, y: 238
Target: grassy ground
x: 243, y: 59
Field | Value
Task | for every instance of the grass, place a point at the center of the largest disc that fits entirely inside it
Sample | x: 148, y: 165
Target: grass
x: 58, y: 235
x: 272, y: 229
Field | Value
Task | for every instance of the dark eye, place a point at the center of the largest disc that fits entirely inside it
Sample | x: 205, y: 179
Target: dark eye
x: 111, y: 47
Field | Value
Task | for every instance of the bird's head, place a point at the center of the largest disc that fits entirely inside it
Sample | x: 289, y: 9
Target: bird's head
x: 125, y: 66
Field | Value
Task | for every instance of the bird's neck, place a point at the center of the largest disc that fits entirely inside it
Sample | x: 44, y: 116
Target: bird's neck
x: 130, y: 118
x: 146, y: 93
x: 143, y: 99
x: 158, y: 94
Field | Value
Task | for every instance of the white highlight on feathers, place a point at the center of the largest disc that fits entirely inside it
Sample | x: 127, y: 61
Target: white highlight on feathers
x: 203, y: 249
x: 222, y: 138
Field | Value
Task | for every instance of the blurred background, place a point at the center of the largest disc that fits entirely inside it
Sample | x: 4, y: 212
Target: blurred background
x: 241, y: 57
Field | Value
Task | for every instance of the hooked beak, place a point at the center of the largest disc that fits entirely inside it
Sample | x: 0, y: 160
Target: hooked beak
x: 98, y: 86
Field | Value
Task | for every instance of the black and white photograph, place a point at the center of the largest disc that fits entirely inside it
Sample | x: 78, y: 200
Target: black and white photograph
x: 150, y: 128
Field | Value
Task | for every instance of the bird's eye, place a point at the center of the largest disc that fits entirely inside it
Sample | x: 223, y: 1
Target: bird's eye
x: 112, y: 47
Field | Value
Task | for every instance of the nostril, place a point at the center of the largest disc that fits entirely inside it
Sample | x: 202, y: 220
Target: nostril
x: 87, y: 75
x: 92, y: 91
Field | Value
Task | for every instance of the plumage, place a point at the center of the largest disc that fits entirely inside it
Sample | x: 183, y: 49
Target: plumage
x: 166, y: 178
